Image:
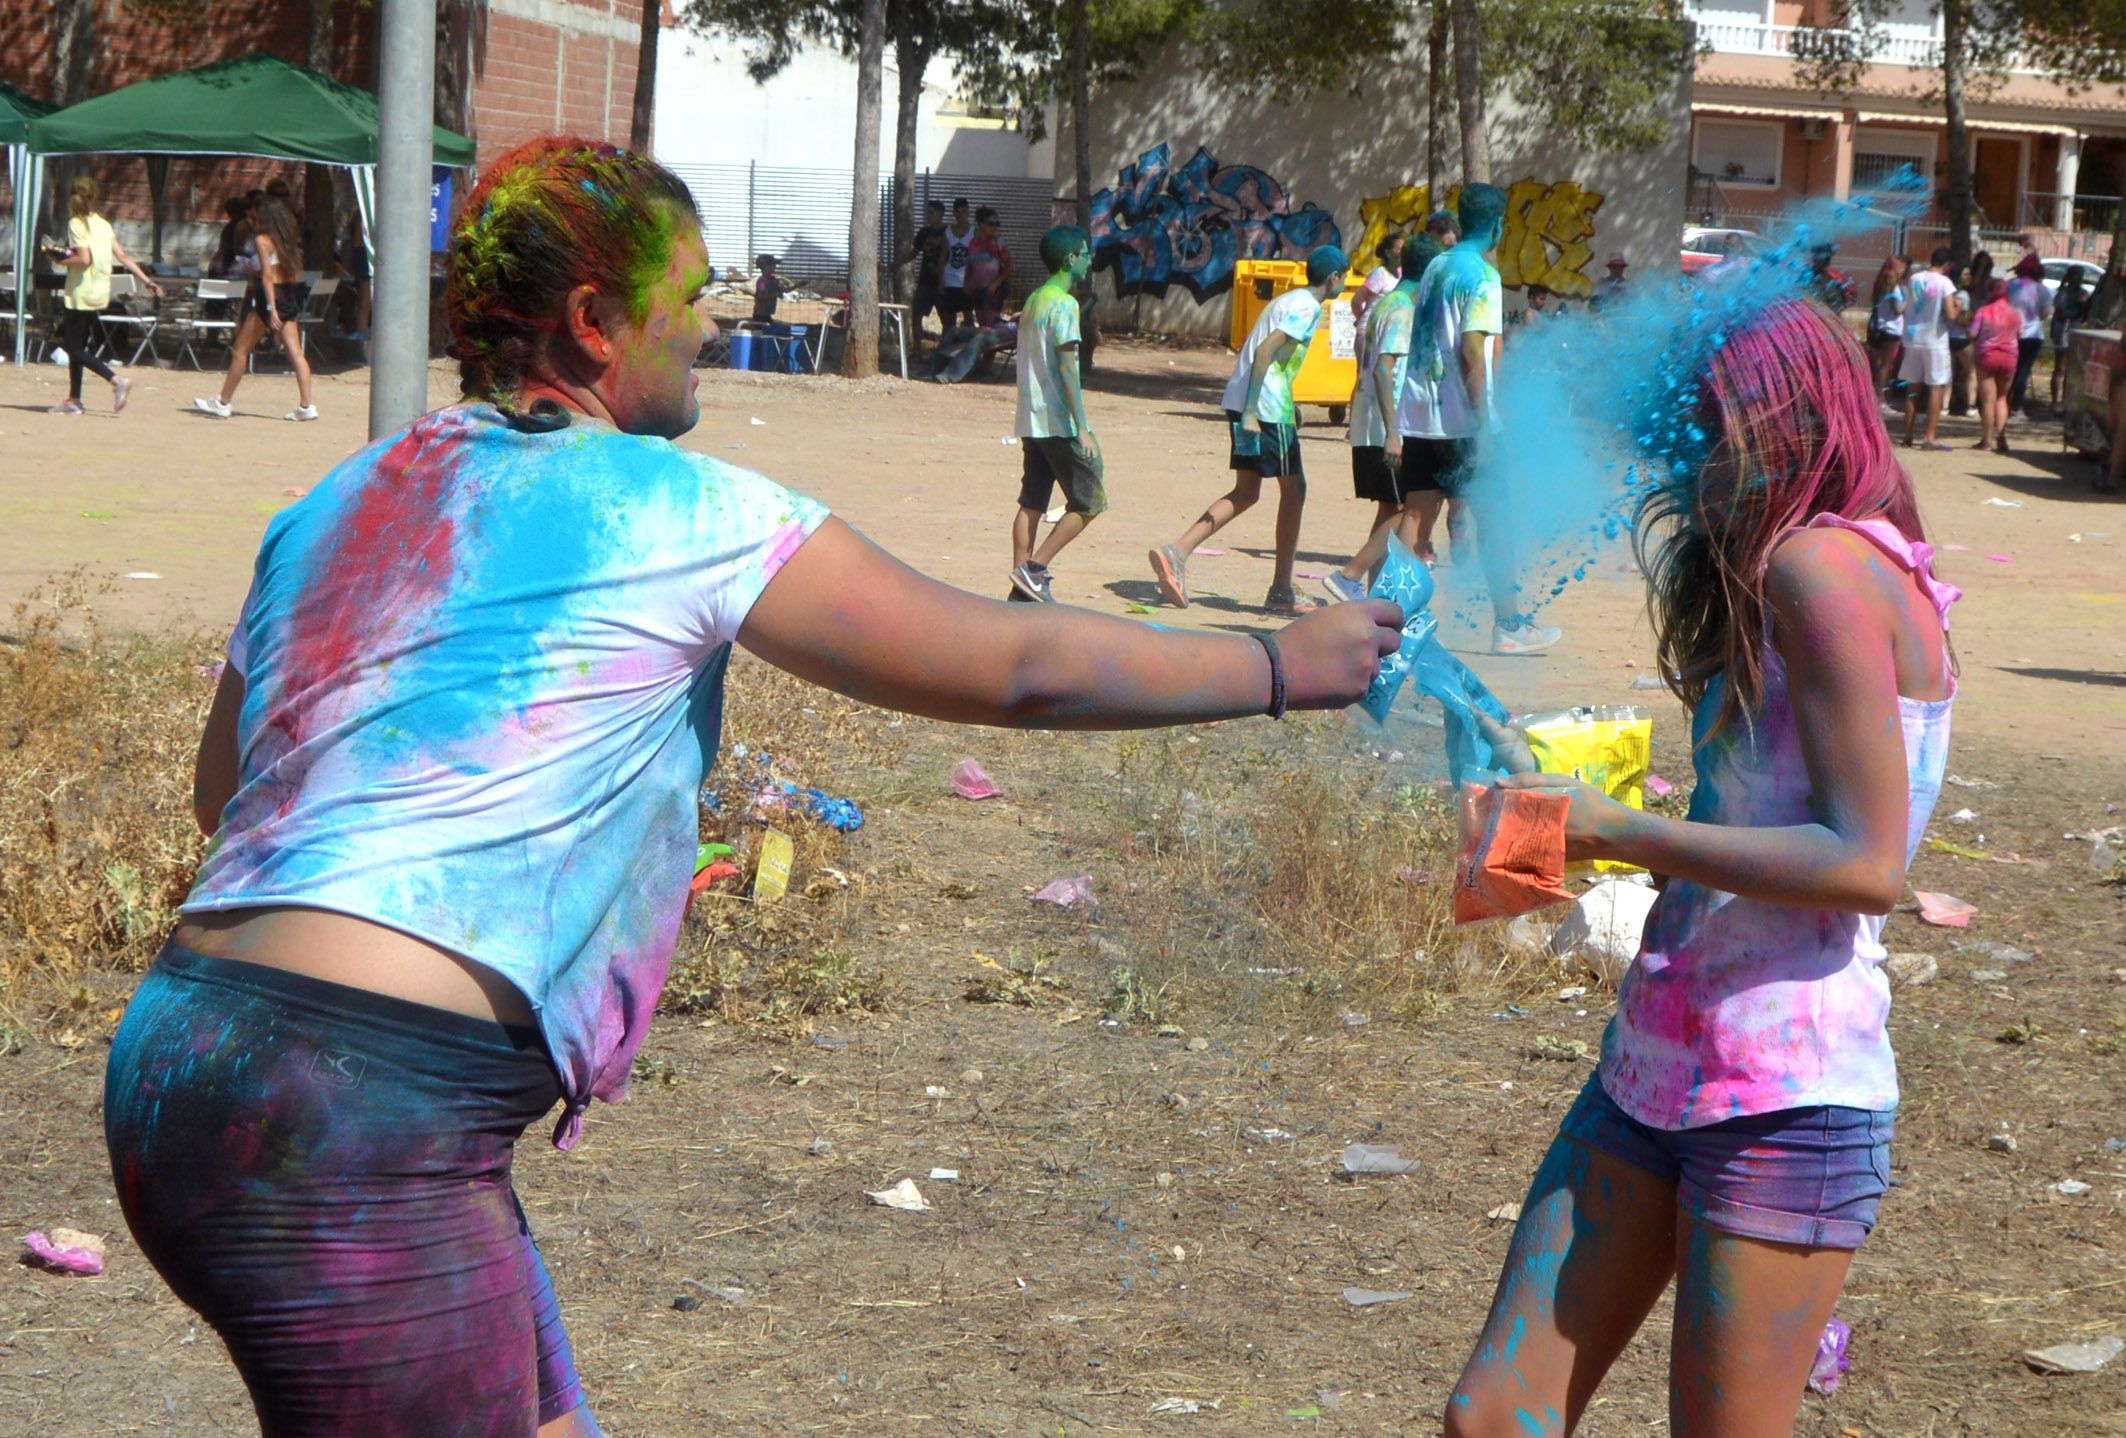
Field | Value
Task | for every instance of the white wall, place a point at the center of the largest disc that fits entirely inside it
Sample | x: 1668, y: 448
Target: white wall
x: 1335, y: 151
x: 710, y: 112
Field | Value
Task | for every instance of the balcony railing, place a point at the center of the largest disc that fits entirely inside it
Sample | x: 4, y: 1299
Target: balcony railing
x: 1731, y: 38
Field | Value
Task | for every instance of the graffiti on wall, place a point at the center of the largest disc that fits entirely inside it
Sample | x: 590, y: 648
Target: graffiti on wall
x: 1547, y: 230
x: 1402, y: 210
x: 1162, y: 226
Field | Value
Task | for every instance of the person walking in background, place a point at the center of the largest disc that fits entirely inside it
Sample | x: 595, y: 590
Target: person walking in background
x: 955, y: 308
x: 271, y: 306
x: 1448, y: 407
x: 2031, y: 300
x: 1263, y: 435
x: 1376, y: 428
x: 1054, y: 435
x: 1930, y: 307
x: 1612, y: 287
x: 1444, y: 228
x: 354, y: 263
x: 1996, y: 343
x: 2068, y: 308
x: 91, y: 247
x: 1886, y: 322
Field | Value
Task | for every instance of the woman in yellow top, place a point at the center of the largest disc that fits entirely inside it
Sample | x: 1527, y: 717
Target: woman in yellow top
x: 270, y: 307
x: 90, y: 248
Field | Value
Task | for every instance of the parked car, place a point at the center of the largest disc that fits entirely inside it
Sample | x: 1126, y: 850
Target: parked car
x: 2056, y: 270
x: 1704, y: 247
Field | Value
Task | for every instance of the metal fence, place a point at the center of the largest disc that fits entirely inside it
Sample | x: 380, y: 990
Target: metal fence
x: 801, y: 216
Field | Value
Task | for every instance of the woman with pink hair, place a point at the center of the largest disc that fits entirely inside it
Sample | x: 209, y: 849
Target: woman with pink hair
x: 1734, y: 1139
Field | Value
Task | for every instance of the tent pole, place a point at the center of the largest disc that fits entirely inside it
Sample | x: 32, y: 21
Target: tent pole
x: 406, y: 61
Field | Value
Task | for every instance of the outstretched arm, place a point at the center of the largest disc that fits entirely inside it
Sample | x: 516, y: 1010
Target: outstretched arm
x: 1833, y: 609
x: 850, y: 617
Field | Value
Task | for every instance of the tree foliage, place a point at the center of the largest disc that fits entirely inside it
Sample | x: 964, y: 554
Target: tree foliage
x: 1598, y: 74
x: 1023, y: 63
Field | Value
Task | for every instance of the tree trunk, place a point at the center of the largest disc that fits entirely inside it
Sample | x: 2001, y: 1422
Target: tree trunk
x: 454, y: 41
x: 1469, y: 93
x: 73, y: 57
x: 911, y: 57
x: 638, y: 126
x: 860, y: 359
x: 1081, y: 108
x: 1955, y: 23
x: 1435, y: 102
x: 318, y: 226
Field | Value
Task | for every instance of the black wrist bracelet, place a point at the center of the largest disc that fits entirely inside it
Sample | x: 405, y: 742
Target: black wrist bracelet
x: 1269, y: 647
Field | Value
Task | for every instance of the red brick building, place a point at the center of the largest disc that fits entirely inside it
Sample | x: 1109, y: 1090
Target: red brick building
x: 506, y: 70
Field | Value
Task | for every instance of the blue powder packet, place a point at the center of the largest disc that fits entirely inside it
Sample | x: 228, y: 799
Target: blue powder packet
x: 1404, y: 579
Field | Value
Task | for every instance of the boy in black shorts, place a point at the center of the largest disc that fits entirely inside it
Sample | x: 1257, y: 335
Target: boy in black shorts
x: 1262, y: 422
x: 1054, y: 434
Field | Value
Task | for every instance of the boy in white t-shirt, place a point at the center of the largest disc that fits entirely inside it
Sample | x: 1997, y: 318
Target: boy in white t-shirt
x: 1262, y: 423
x: 1931, y: 306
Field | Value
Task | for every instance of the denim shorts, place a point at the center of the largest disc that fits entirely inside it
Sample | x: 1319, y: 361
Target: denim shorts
x: 1807, y: 1176
x: 323, y: 1173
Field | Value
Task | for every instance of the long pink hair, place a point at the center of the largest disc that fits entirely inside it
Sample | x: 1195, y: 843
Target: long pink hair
x: 1789, y: 408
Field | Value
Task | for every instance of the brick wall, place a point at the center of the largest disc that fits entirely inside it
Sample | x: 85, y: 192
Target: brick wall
x: 538, y: 66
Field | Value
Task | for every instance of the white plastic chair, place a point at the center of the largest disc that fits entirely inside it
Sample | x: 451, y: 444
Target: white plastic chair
x: 315, y: 308
x: 197, y: 326
x: 125, y: 287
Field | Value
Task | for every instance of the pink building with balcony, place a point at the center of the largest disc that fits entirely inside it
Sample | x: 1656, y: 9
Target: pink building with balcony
x: 2044, y: 161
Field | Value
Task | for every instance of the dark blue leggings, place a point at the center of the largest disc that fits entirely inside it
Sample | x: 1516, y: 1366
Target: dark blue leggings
x: 323, y: 1173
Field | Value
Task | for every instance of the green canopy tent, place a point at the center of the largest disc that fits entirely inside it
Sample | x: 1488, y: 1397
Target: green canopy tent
x: 257, y: 105
x: 24, y: 178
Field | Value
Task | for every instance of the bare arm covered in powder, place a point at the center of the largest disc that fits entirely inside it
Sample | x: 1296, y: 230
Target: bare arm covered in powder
x: 850, y: 617
x: 1074, y: 391
x: 1475, y: 357
x: 1846, y: 627
x: 1272, y: 350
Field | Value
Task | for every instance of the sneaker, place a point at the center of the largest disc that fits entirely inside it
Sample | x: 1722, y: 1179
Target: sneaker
x: 212, y: 406
x: 1031, y: 580
x: 1172, y: 573
x: 301, y: 413
x: 1341, y: 588
x: 69, y: 406
x: 1288, y: 602
x: 121, y: 391
x: 1528, y: 638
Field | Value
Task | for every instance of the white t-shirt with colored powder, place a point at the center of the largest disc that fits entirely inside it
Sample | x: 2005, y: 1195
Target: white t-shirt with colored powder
x: 1460, y: 294
x: 483, y: 678
x: 1046, y: 325
x: 1927, y: 310
x: 1295, y: 313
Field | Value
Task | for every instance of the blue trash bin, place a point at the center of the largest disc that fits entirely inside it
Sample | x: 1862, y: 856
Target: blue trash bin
x: 799, y: 360
x: 741, y: 349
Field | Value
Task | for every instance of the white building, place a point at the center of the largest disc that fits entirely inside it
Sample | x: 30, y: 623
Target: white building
x: 769, y: 163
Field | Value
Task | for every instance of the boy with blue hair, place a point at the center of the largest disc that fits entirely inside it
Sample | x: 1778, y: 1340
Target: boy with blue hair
x: 1262, y: 424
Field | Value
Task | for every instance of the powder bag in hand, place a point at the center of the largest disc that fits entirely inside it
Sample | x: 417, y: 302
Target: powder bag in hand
x: 1512, y: 854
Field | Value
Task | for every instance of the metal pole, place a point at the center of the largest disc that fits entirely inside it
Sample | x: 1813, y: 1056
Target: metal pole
x: 406, y: 89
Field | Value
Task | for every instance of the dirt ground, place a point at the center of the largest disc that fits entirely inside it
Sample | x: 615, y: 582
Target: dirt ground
x: 1136, y: 1217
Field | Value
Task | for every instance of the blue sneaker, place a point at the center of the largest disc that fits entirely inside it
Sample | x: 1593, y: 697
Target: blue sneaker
x: 1341, y: 588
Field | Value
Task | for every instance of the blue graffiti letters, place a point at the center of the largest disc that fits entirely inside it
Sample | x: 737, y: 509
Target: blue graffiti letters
x: 1160, y: 226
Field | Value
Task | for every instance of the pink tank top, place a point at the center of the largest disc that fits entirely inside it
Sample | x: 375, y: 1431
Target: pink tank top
x: 1737, y: 1006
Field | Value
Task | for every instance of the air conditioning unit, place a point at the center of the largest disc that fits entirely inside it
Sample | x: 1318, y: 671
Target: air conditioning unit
x: 1814, y: 129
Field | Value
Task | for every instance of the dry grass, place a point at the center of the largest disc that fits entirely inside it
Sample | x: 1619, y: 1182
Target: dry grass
x: 97, y: 844
x: 1288, y: 884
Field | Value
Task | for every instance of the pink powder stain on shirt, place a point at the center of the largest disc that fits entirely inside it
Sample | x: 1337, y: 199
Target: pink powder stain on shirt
x: 786, y: 542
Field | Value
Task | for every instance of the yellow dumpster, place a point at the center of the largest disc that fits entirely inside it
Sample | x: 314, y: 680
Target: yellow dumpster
x: 1330, y: 370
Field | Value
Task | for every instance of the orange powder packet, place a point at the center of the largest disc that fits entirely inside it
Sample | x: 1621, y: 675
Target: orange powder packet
x: 1512, y: 852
